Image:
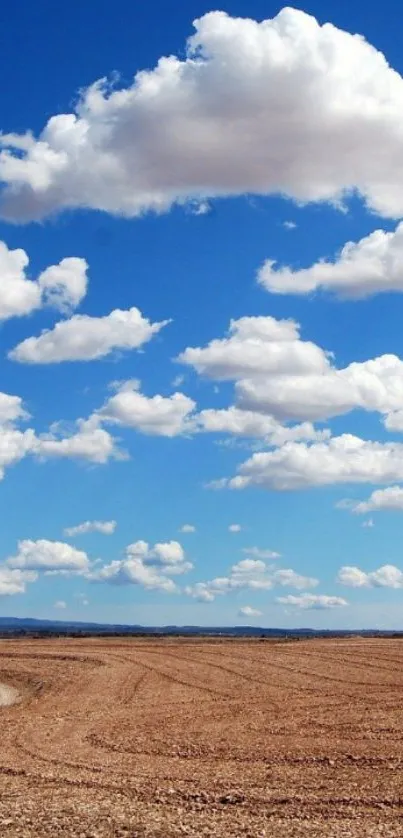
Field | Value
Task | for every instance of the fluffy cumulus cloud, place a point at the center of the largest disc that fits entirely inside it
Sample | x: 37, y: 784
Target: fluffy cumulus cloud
x: 156, y: 415
x: 247, y: 423
x: 343, y: 459
x: 369, y: 266
x: 279, y: 106
x: 61, y: 286
x: 279, y: 377
x: 85, y: 338
x: 390, y: 498
x: 84, y: 441
x: 248, y: 611
x: 249, y: 574
x: 150, y: 567
x: 312, y: 602
x: 103, y: 527
x: 13, y: 580
x: 387, y: 576
x: 49, y: 556
x: 256, y: 346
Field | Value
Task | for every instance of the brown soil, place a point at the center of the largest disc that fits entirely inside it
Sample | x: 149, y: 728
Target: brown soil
x: 140, y: 738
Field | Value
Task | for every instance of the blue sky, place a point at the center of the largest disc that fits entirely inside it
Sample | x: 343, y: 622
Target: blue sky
x: 220, y: 188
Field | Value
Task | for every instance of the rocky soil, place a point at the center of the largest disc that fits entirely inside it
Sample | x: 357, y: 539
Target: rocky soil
x: 161, y: 738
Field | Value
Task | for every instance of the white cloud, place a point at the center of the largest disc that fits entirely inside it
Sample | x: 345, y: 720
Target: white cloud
x: 104, y: 527
x: 247, y: 423
x: 61, y: 286
x: 85, y: 338
x: 44, y: 555
x: 257, y: 553
x: 200, y: 208
x: 290, y: 579
x: 343, y: 459
x: 14, y: 446
x: 257, y: 346
x: 290, y: 225
x: 11, y: 409
x: 247, y: 611
x: 82, y: 599
x: 234, y: 528
x: 279, y: 106
x: 248, y: 574
x: 150, y: 567
x: 60, y: 604
x: 187, y: 528
x: 373, y: 385
x: 87, y: 442
x: 370, y: 266
x: 14, y: 581
x: 279, y: 377
x: 312, y: 602
x: 387, y: 576
x: 390, y: 498
x: 155, y: 415
x: 369, y: 524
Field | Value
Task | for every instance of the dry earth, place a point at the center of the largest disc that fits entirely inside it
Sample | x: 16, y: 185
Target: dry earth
x: 139, y: 738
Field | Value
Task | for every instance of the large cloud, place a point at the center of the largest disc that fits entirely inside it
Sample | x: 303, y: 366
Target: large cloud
x: 85, y: 338
x: 285, y: 105
x: 61, y: 286
x: 343, y: 459
x: 283, y: 377
x: 257, y: 346
x: 369, y: 266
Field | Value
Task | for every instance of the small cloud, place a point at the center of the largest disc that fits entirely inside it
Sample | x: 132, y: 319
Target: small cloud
x: 82, y: 599
x: 289, y: 225
x: 200, y: 208
x: 257, y: 553
x: 187, y: 528
x: 313, y: 602
x: 60, y: 604
x: 368, y: 524
x: 178, y: 381
x: 234, y: 528
x: 247, y: 611
x: 104, y: 527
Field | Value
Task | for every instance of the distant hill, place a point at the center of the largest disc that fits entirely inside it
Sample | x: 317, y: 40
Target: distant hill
x: 30, y: 626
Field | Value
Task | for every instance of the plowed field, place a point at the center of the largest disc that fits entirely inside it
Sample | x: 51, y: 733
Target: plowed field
x: 202, y: 738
